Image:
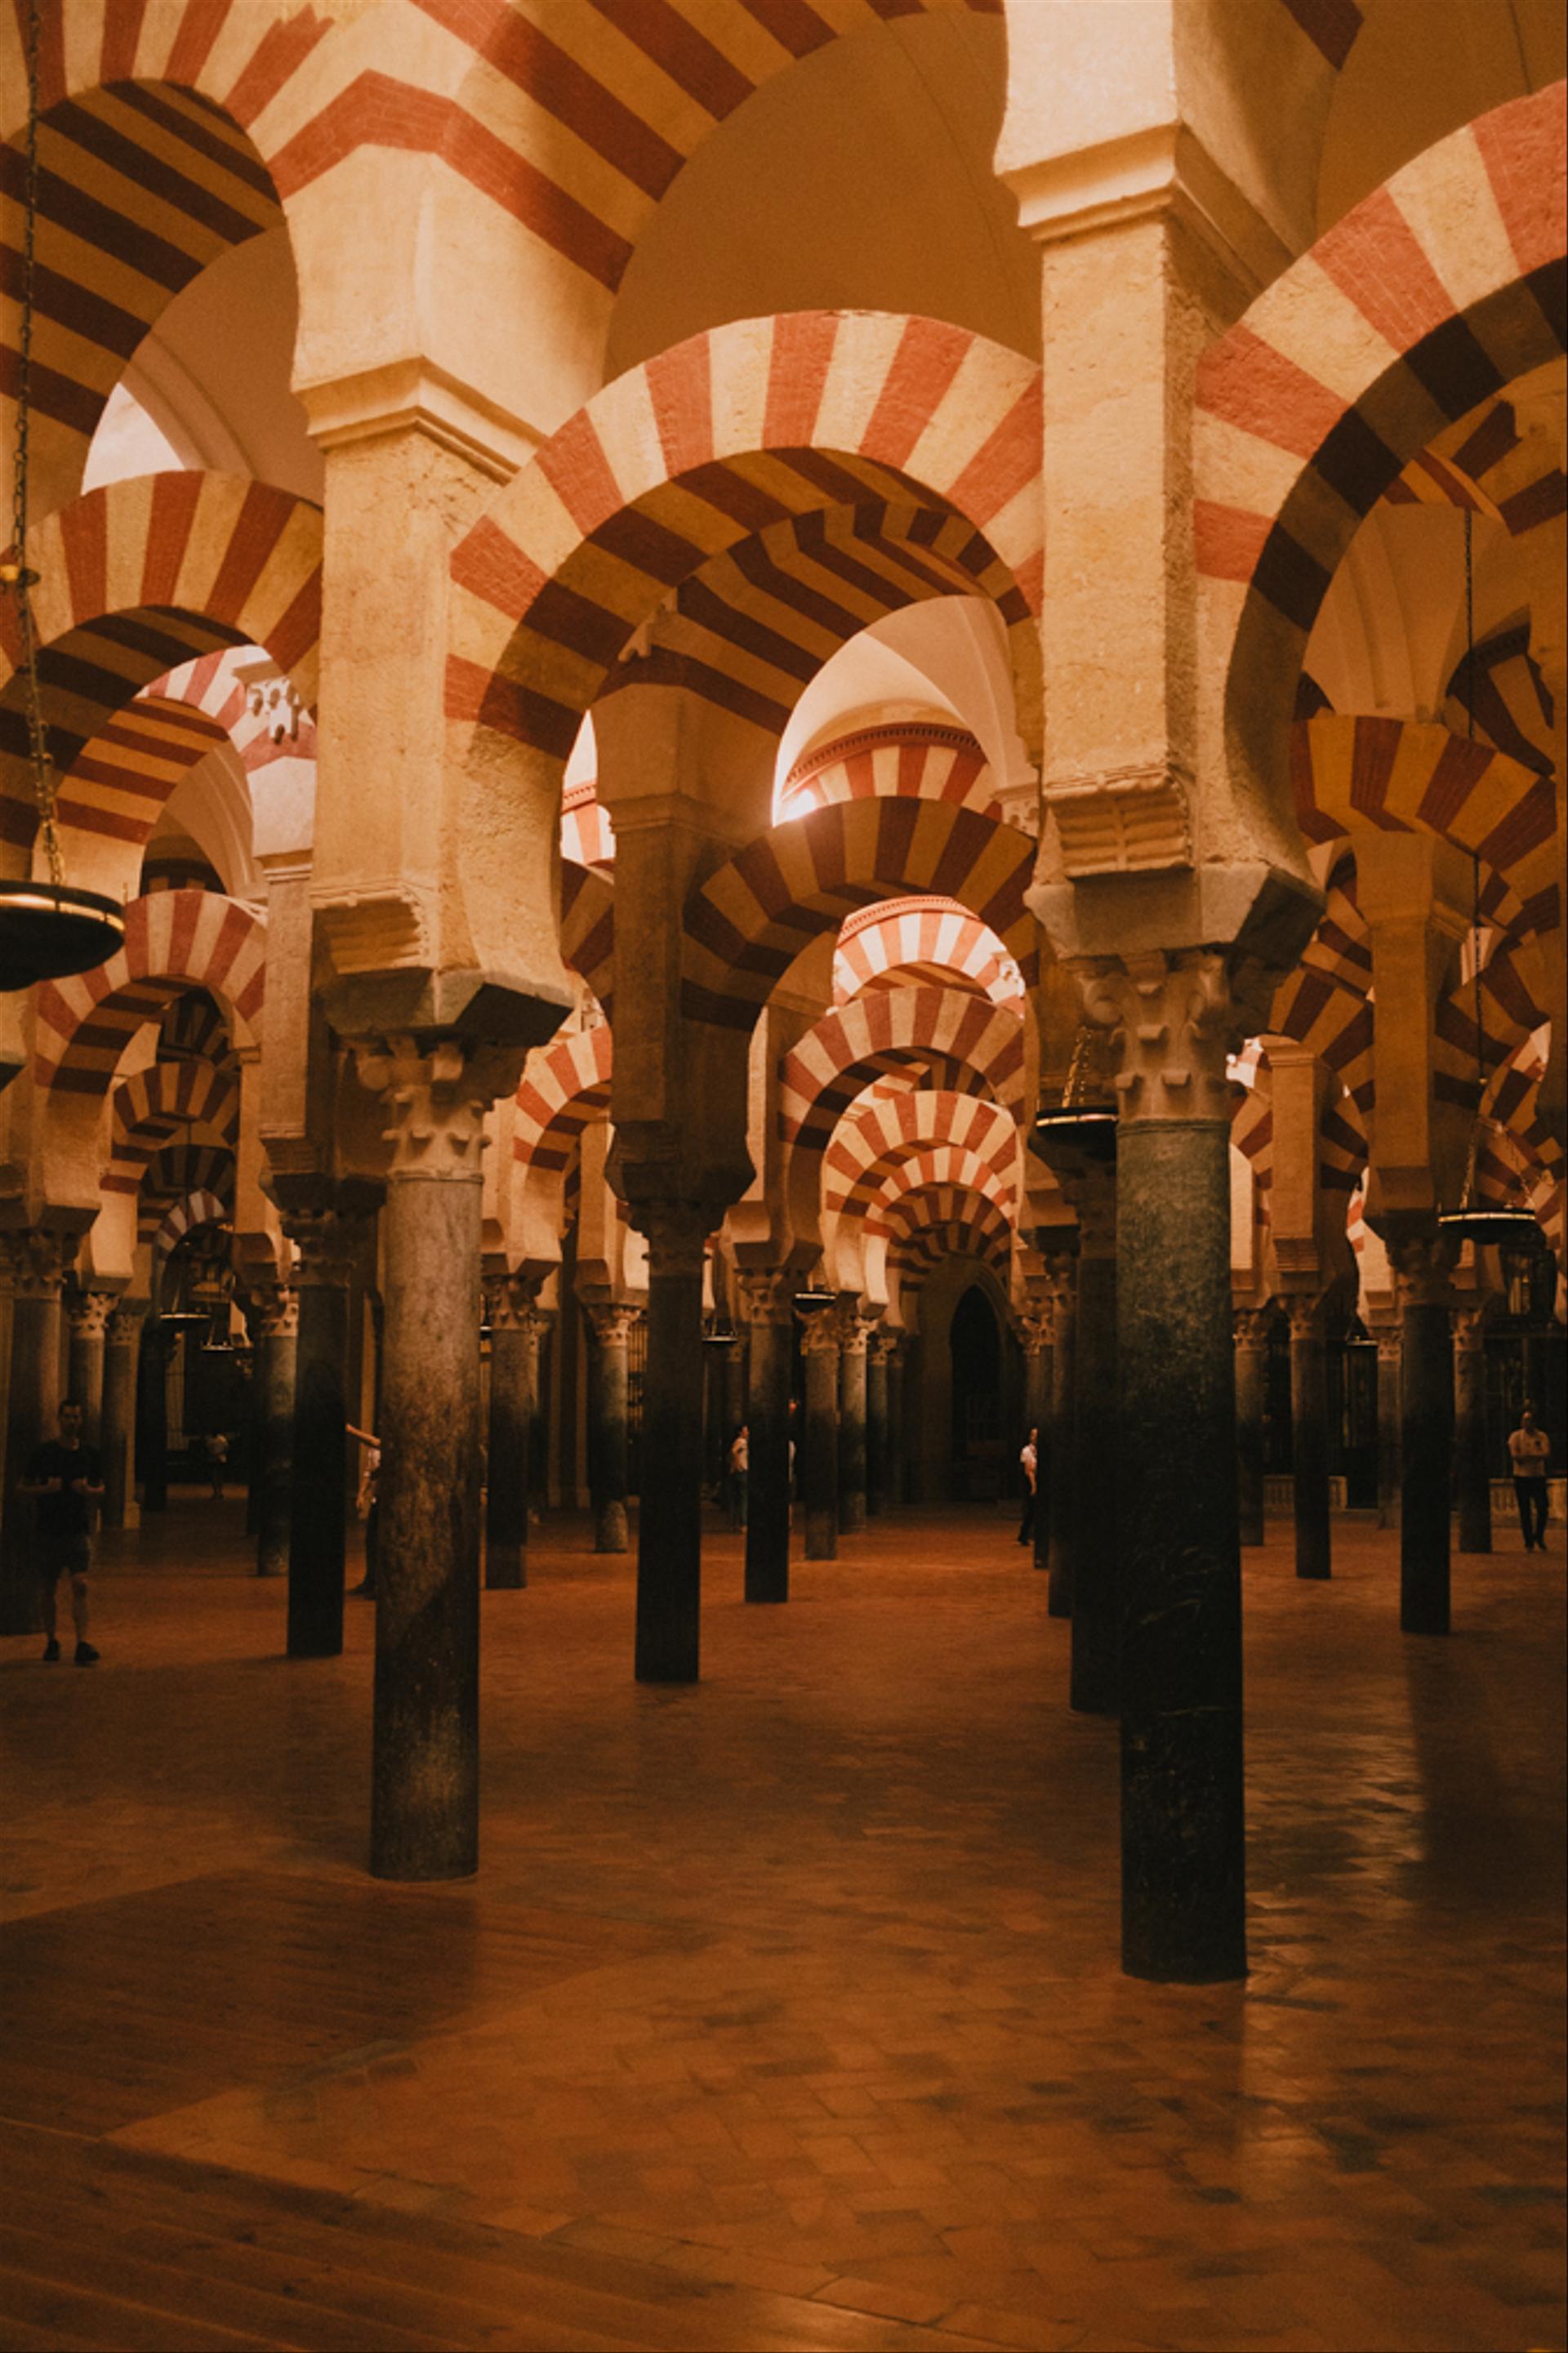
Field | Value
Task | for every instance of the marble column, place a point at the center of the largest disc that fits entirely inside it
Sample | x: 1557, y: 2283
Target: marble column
x: 1037, y: 1329
x: 123, y: 1342
x: 1182, y: 1841
x: 1096, y: 1454
x: 1423, y: 1262
x: 328, y: 1245
x: 1472, y: 1468
x: 1061, y: 1486
x: 608, y: 1428
x: 1310, y: 1436
x: 87, y: 1315
x: 1251, y: 1325
x: 32, y: 1411
x: 510, y: 1310
x: 768, y: 1297
x: 1390, y: 1416
x: 819, y: 1444
x: 734, y: 1378
x: 878, y: 1349
x: 852, y: 1336
x: 897, y: 1452
x: 669, y: 1524
x: 276, y: 1339
x: 425, y: 1741
x: 153, y: 1413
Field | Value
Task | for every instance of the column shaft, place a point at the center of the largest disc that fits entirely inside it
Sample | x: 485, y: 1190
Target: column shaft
x: 1038, y: 1354
x: 1251, y: 1398
x: 31, y: 1415
x: 118, y: 1436
x: 768, y: 1443
x: 152, y: 1416
x: 819, y: 1449
x: 608, y: 1369
x: 1426, y: 1442
x: 852, y: 1426
x: 319, y: 1451
x: 1183, y: 1901
x: 1061, y: 1484
x: 511, y: 1412
x: 1472, y: 1468
x: 897, y: 1475
x: 1390, y: 1417
x: 88, y: 1318
x: 876, y: 1426
x: 1309, y: 1440
x: 274, y: 1376
x: 1096, y: 1597
x: 669, y: 1527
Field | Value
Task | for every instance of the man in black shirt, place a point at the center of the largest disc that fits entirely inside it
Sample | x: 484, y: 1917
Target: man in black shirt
x: 67, y: 1478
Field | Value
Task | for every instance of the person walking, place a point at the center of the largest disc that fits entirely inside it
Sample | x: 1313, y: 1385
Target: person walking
x: 218, y: 1461
x: 740, y: 1470
x: 66, y: 1479
x: 1530, y: 1451
x: 1029, y: 1456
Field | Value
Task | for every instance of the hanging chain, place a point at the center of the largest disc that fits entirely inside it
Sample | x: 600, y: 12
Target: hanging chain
x: 17, y: 577
x: 1468, y: 1196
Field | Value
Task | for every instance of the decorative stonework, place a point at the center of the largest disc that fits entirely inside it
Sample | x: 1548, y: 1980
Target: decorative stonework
x: 124, y: 1328
x: 853, y: 1329
x: 1178, y: 1019
x: 331, y: 1246
x: 277, y: 1310
x: 31, y: 1262
x: 1123, y: 820
x: 1250, y: 1326
x: 819, y: 1333
x: 1423, y: 1265
x: 88, y: 1313
x: 614, y: 1323
x: 677, y: 1234
x: 437, y: 1104
x: 1038, y: 1328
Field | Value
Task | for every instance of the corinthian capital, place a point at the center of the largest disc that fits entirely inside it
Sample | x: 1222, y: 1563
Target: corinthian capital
x: 768, y: 1293
x: 436, y: 1102
x: 1177, y: 1018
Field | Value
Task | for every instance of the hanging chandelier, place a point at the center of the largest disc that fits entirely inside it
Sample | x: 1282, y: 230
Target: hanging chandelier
x: 1500, y: 1224
x: 47, y: 928
x: 1085, y: 1117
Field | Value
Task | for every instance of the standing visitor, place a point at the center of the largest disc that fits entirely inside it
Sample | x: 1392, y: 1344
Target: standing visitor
x: 65, y: 1478
x: 1530, y: 1449
x: 217, y: 1457
x: 1028, y: 1455
x: 739, y: 1467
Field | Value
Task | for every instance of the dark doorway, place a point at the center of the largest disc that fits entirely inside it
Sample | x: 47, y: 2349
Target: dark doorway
x: 975, y: 1341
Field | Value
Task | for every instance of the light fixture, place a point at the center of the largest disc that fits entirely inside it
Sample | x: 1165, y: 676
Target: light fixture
x: 806, y: 1303
x: 718, y: 1332
x: 1085, y: 1116
x: 46, y: 929
x: 1487, y: 1225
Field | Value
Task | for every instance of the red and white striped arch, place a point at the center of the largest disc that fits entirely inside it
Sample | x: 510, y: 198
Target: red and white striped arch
x: 911, y: 760
x: 201, y: 1206
x: 562, y: 1088
x: 587, y: 836
x: 933, y: 941
x: 959, y: 1040
x: 156, y: 1104
x: 923, y: 1127
x: 750, y: 425
x: 588, y: 928
x: 174, y: 940
x: 747, y: 922
x: 1433, y: 292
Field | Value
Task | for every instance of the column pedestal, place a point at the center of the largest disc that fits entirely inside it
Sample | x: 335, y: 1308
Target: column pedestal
x: 318, y: 1448
x: 1472, y: 1483
x: 1310, y: 1438
x: 278, y: 1332
x: 122, y: 1341
x: 32, y: 1414
x: 771, y: 1321
x: 852, y: 1336
x: 608, y: 1429
x: 1251, y: 1325
x: 819, y: 1446
x: 1425, y: 1435
x: 670, y: 1525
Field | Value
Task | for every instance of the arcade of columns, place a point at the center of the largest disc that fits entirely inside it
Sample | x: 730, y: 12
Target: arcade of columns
x: 509, y: 1020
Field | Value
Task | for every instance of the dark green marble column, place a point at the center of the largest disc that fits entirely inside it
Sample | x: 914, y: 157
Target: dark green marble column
x: 878, y: 1349
x: 897, y: 1464
x: 277, y: 1333
x: 608, y: 1432
x: 669, y: 1526
x: 1472, y: 1468
x: 510, y: 1313
x: 327, y: 1245
x: 1252, y: 1326
x: 767, y: 1297
x: 1097, y: 1456
x: 87, y: 1314
x: 1061, y: 1488
x: 1310, y: 1438
x: 123, y: 1342
x: 1038, y: 1328
x: 32, y: 1413
x: 853, y: 1336
x: 1390, y: 1417
x: 1426, y: 1434
x: 819, y: 1444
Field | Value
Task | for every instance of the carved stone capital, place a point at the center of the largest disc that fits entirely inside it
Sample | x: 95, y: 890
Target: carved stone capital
x: 1470, y: 1328
x: 1177, y: 1019
x: 883, y: 1345
x: 613, y: 1324
x: 768, y: 1293
x: 819, y: 1333
x: 853, y: 1329
x: 124, y: 1329
x: 330, y: 1247
x: 1307, y: 1312
x: 436, y: 1104
x: 277, y: 1312
x: 1250, y: 1326
x: 88, y: 1313
x: 33, y: 1262
x: 1037, y: 1327
x: 1423, y: 1264
x: 677, y: 1234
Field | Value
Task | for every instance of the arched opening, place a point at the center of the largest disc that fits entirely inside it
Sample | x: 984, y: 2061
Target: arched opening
x: 978, y: 1442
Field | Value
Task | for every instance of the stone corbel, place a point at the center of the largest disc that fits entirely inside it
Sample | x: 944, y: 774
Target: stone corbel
x: 1123, y: 820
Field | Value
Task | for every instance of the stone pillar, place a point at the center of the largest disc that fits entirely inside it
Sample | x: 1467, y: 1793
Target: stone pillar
x: 853, y: 1336
x: 1390, y: 1416
x: 425, y: 1798
x: 1183, y: 1844
x: 819, y: 1443
x: 123, y: 1342
x: 88, y: 1313
x: 1310, y: 1436
x: 1427, y: 1430
x: 669, y: 1526
x: 770, y: 1311
x: 153, y: 1413
x: 1036, y: 1328
x: 1061, y: 1487
x: 607, y: 1430
x: 277, y: 1340
x: 1251, y: 1328
x: 32, y: 1412
x: 878, y: 1349
x: 327, y: 1245
x: 1096, y: 1454
x: 734, y: 1376
x: 897, y: 1473
x: 1472, y: 1481
x: 511, y: 1314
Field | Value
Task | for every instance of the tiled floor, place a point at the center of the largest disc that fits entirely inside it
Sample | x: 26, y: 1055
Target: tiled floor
x: 804, y: 1982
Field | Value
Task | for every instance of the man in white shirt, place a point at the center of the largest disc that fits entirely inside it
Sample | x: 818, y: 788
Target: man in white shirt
x: 1028, y: 1455
x: 1530, y: 1451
